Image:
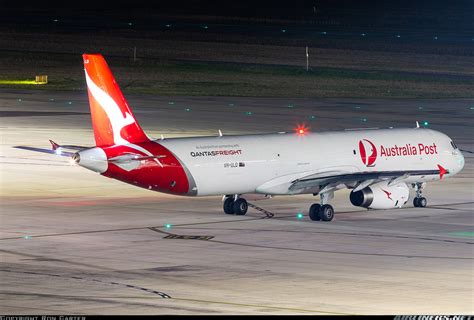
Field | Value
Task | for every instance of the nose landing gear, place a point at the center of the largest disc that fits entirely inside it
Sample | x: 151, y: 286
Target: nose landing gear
x: 419, y: 201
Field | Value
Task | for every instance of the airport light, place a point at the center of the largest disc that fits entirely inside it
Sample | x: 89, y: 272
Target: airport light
x: 425, y: 123
x: 168, y: 226
x: 187, y: 109
x: 312, y: 117
x: 17, y: 82
x: 27, y: 237
x: 171, y: 102
x: 363, y: 119
x: 299, y: 215
x: 248, y: 113
x: 283, y: 30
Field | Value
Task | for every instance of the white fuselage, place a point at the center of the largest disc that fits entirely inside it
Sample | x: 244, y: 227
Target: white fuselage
x: 268, y: 163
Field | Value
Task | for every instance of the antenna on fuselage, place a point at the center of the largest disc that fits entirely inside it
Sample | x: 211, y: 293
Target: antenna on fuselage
x: 417, y: 125
x: 220, y: 133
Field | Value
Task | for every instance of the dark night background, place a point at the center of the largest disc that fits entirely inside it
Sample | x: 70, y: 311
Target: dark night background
x: 418, y: 15
x: 358, y: 48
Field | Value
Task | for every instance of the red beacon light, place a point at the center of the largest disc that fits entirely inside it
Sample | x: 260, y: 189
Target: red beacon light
x: 301, y: 130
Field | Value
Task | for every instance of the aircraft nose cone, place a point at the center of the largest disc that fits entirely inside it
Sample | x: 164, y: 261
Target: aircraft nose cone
x: 458, y: 162
x: 461, y: 161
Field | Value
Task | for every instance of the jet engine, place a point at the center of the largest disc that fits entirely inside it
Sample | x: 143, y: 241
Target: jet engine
x: 381, y: 196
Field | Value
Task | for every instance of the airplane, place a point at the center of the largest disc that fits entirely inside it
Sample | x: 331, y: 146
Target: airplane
x: 378, y: 165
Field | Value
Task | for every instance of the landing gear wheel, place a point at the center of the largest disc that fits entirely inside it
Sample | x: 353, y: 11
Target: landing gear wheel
x: 229, y: 206
x: 420, y: 202
x: 326, y: 212
x: 415, y: 202
x: 314, y: 212
x: 240, y: 206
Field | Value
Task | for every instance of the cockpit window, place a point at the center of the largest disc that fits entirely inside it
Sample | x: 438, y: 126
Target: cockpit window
x: 454, y: 145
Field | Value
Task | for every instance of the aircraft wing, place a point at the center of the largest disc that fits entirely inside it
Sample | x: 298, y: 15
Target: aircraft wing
x: 358, y: 180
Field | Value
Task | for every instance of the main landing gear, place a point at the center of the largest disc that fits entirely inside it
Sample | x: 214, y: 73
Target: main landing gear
x: 235, y: 205
x: 323, y: 211
x: 419, y: 201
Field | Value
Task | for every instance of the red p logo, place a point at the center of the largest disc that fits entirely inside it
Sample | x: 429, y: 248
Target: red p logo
x: 368, y: 152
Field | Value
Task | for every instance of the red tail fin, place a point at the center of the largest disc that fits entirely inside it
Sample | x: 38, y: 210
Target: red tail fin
x: 112, y: 119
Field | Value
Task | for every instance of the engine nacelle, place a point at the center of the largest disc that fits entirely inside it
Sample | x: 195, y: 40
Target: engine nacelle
x: 381, y: 196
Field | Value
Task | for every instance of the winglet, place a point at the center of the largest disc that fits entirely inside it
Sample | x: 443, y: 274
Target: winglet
x: 442, y: 171
x: 54, y: 145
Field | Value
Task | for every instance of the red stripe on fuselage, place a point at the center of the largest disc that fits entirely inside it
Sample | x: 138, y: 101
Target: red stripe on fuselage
x: 169, y: 177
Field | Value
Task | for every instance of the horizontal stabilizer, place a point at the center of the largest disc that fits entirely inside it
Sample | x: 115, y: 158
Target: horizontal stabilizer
x: 57, y: 152
x: 133, y: 157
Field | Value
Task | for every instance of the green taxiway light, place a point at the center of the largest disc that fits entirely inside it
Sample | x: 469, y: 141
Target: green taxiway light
x: 168, y: 226
x: 312, y: 117
x: 248, y: 113
x: 462, y: 234
x: 171, y: 102
x: 290, y: 106
x: 299, y: 215
x: 364, y: 119
x: 187, y: 109
x: 27, y: 237
x: 426, y: 123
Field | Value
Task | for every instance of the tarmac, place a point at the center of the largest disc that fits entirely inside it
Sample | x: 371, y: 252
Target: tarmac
x: 74, y: 242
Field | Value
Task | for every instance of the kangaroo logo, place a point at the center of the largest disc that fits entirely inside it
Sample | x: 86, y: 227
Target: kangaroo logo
x: 389, y: 194
x: 115, y: 115
x: 368, y: 152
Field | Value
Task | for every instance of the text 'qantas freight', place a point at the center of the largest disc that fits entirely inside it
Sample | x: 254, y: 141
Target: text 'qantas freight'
x: 377, y: 165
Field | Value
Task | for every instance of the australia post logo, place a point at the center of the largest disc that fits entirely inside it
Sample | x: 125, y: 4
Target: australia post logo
x: 369, y: 152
